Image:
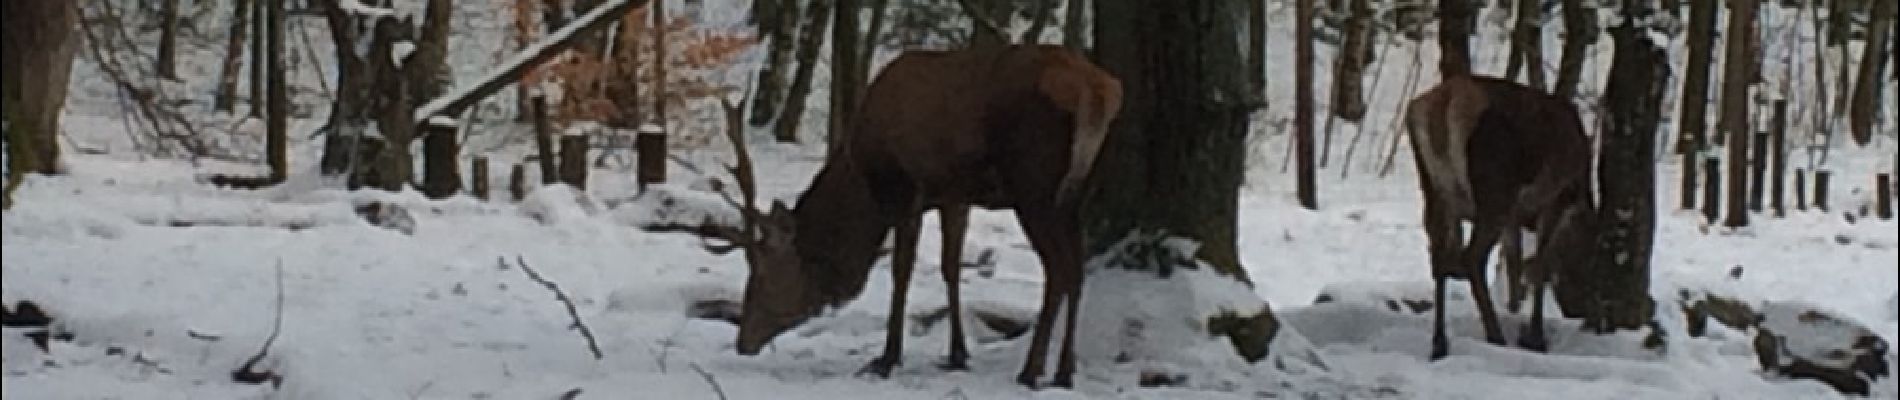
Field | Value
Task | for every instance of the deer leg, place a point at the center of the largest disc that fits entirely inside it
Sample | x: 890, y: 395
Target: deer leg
x: 1533, y: 336
x: 1071, y: 244
x: 1477, y: 254
x: 1514, y: 268
x: 902, y: 261
x: 955, y: 220
x: 1054, y: 284
x: 1444, y: 237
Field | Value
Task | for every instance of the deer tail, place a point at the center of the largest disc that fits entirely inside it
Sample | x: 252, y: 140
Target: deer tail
x: 1093, y: 99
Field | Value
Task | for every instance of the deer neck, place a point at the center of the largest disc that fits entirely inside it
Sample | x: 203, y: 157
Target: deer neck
x: 839, y: 232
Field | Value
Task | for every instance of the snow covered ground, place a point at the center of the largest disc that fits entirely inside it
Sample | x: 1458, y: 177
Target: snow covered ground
x: 168, y: 285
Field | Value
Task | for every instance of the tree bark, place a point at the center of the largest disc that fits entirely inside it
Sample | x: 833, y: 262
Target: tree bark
x: 441, y: 175
x: 1626, y: 176
x: 1454, y: 36
x: 1256, y: 44
x: 1735, y: 82
x: 36, y: 46
x: 811, y: 37
x: 783, y: 18
x: 167, y: 59
x: 1868, y: 84
x: 1580, y: 32
x: 845, y: 81
x: 226, y: 98
x: 276, y: 137
x: 1176, y: 152
x: 1349, y: 67
x: 1307, y: 187
x: 259, y: 97
x: 1527, y: 44
x: 660, y: 59
x: 1695, y: 94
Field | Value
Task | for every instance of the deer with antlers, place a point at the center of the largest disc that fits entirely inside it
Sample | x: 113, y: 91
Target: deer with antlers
x: 1502, y: 156
x: 1006, y: 126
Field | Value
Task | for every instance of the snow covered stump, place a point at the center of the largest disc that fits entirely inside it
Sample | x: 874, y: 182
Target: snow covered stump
x: 1801, y: 340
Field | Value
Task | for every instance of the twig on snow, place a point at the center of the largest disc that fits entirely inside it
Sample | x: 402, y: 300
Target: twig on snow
x: 592, y: 345
x: 247, y: 372
x: 709, y: 380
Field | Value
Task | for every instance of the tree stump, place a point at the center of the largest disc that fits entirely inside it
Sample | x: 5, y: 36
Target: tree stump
x: 478, y: 179
x: 544, y: 141
x: 574, y: 161
x: 651, y: 146
x: 441, y: 177
x: 1800, y: 189
x: 517, y: 185
x: 1883, y: 190
x: 1758, y: 171
x: 1820, y: 189
x: 1712, y: 188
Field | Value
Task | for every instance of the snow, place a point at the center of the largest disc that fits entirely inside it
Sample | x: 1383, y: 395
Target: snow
x: 168, y: 284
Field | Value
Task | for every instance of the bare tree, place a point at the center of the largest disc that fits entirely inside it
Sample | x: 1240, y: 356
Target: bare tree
x: 1626, y: 177
x: 226, y: 97
x: 1454, y: 37
x: 258, y: 78
x: 846, y: 75
x: 36, y: 46
x: 1736, y: 79
x: 1527, y: 44
x: 776, y: 24
x: 168, y: 39
x: 1308, y: 190
x: 1868, y: 84
x: 660, y: 95
x: 1580, y: 31
x: 1695, y: 94
x: 1256, y: 43
x: 1075, y: 25
x: 276, y: 139
x: 1350, y: 66
x: 811, y: 37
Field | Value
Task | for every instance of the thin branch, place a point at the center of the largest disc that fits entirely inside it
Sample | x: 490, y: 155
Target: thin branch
x: 247, y: 372
x: 709, y: 380
x: 592, y: 345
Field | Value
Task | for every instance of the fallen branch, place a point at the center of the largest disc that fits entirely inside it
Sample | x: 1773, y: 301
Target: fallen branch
x: 592, y: 345
x: 248, y: 373
x: 709, y: 380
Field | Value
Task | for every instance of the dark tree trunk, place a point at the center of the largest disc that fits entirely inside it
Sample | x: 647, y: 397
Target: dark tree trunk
x: 1867, y: 90
x: 441, y: 177
x: 1695, y: 94
x: 1626, y: 176
x: 1527, y: 44
x: 783, y: 18
x: 1038, y: 21
x: 660, y: 59
x: 259, y: 97
x: 1735, y: 82
x: 1350, y: 66
x: 574, y: 160
x: 168, y: 40
x: 226, y: 98
x: 276, y: 136
x: 1454, y: 36
x: 845, y: 78
x: 811, y: 37
x: 36, y: 46
x: 1175, y: 153
x: 478, y: 178
x: 1580, y: 32
x: 1780, y: 142
x: 1308, y: 190
x: 1256, y: 44
x: 1075, y: 25
x: 873, y: 34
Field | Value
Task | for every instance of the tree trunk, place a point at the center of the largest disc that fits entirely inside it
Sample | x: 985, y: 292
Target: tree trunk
x: 168, y: 40
x: 1580, y: 32
x: 1075, y: 25
x: 1735, y: 101
x: 1454, y: 36
x: 1350, y: 66
x: 1303, y: 103
x: 845, y: 81
x: 811, y: 37
x: 1626, y: 176
x: 36, y: 46
x: 276, y: 137
x: 1038, y: 21
x: 783, y: 18
x: 660, y: 59
x: 1256, y: 44
x: 1868, y: 84
x: 1695, y: 87
x: 1176, y: 152
x: 259, y: 98
x: 441, y: 177
x: 226, y: 98
x: 428, y: 68
x: 873, y: 35
x: 1527, y: 44
x: 1779, y: 140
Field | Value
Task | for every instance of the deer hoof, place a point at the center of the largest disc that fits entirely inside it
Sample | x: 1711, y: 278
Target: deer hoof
x: 1026, y: 379
x: 1533, y: 343
x: 879, y: 367
x: 1496, y: 340
x: 954, y: 364
x: 1439, y: 347
x: 1062, y: 381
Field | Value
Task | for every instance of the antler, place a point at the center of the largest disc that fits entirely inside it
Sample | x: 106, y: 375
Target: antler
x: 749, y: 216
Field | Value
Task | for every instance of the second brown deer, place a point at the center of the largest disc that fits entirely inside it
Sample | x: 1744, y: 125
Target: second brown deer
x: 1502, y: 156
x: 1014, y: 127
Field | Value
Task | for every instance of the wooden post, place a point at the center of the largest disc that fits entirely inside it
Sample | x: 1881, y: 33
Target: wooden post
x: 1800, y: 189
x: 1758, y: 171
x: 1883, y: 189
x: 1820, y: 189
x: 650, y: 143
x: 517, y: 185
x: 544, y: 141
x: 478, y: 179
x: 574, y: 161
x: 1712, y: 188
x: 1780, y: 143
x: 440, y: 175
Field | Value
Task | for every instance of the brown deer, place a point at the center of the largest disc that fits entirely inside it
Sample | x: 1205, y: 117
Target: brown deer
x: 1502, y: 156
x: 1014, y: 127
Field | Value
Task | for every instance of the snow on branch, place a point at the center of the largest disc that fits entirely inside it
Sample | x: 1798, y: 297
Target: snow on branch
x: 356, y: 7
x: 518, y: 64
